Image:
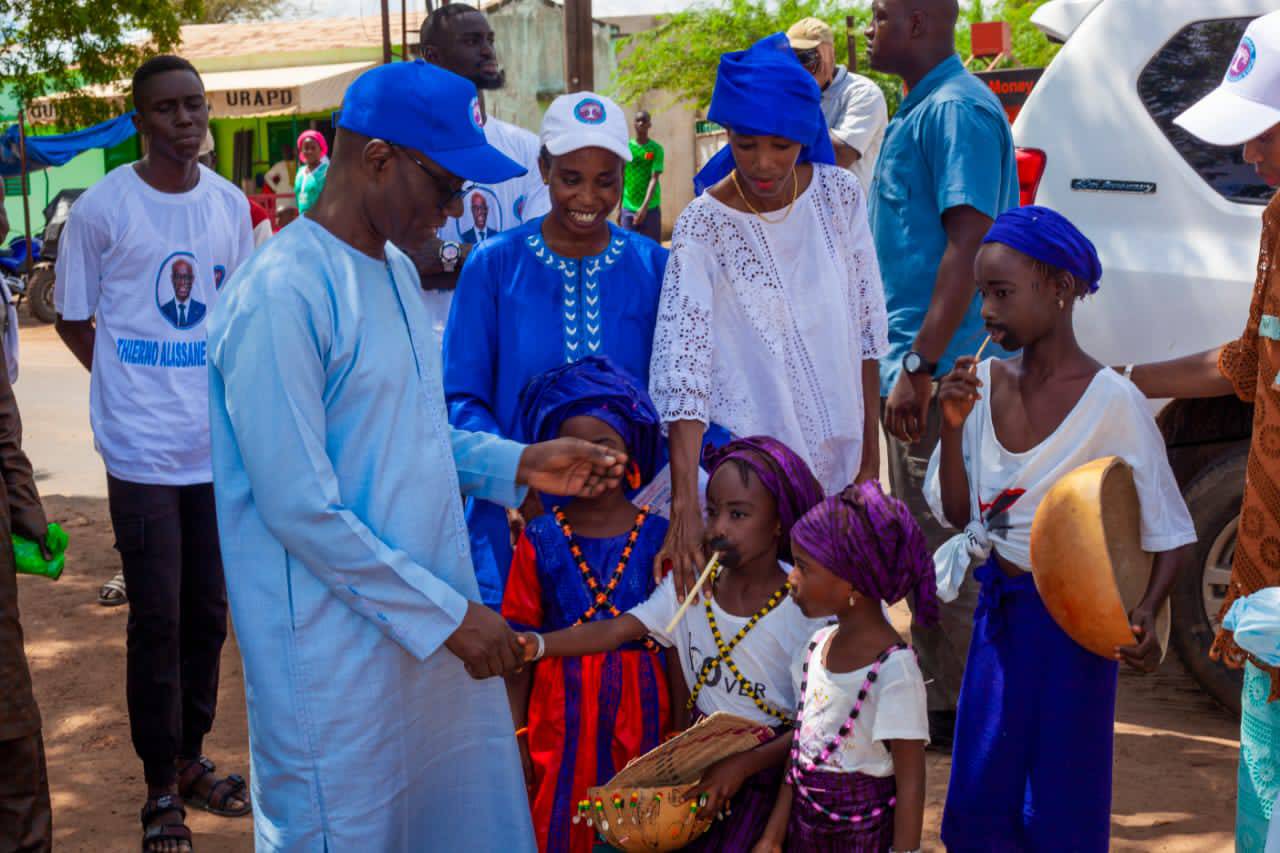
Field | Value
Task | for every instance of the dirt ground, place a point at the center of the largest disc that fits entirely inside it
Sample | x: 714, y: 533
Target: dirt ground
x: 1175, y: 749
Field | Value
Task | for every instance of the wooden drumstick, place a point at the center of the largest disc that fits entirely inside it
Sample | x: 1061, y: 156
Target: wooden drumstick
x: 977, y: 358
x: 712, y: 564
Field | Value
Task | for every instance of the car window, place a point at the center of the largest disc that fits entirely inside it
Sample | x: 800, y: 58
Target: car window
x: 1186, y: 69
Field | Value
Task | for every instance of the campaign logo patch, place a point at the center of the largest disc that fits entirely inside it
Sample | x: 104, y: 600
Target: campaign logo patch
x: 219, y: 276
x: 589, y: 111
x: 518, y: 208
x: 1242, y: 63
x: 477, y: 117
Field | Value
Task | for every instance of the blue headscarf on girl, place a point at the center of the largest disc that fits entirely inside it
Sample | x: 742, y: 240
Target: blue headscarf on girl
x: 594, y: 386
x: 765, y: 91
x: 1049, y: 237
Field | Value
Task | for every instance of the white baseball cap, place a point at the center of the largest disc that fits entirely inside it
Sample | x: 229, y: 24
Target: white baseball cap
x: 1247, y: 104
x: 585, y: 120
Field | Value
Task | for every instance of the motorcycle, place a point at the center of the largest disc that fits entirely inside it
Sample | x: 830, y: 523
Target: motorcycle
x: 14, y: 272
x: 39, y: 292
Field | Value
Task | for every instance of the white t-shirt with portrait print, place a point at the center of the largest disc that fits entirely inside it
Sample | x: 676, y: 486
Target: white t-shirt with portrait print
x: 501, y: 207
x: 763, y: 657
x: 895, y: 709
x: 147, y: 267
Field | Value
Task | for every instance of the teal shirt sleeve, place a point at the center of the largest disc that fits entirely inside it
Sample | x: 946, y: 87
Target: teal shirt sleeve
x: 269, y: 372
x: 487, y: 467
x: 964, y: 146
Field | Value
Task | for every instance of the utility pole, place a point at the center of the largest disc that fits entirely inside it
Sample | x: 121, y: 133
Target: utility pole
x: 579, y: 68
x: 851, y: 39
x: 25, y: 183
x: 386, y: 33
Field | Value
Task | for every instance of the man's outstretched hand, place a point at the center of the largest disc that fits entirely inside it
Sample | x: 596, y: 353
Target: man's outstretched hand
x: 570, y: 467
x: 485, y: 644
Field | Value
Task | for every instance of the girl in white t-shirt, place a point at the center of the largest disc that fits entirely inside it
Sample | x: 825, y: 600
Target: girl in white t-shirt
x: 855, y: 779
x: 1010, y: 430
x: 735, y: 646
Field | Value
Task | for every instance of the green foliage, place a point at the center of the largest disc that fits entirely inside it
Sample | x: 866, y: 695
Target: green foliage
x: 681, y: 52
x: 52, y: 46
x: 227, y: 11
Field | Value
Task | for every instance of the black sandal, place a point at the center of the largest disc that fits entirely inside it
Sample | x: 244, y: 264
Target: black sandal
x: 220, y: 793
x: 152, y: 832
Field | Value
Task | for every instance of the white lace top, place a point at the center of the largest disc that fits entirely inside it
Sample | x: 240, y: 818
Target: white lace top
x: 762, y: 328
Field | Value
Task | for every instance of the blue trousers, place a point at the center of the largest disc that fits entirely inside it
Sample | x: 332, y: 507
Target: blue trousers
x: 1031, y: 768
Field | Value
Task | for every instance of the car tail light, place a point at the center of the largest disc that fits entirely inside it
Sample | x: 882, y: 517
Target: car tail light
x: 1031, y: 163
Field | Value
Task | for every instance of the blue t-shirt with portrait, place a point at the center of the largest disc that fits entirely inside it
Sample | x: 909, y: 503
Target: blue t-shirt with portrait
x: 949, y: 145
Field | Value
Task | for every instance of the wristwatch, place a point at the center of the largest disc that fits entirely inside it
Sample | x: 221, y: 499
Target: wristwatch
x: 450, y: 253
x: 914, y: 364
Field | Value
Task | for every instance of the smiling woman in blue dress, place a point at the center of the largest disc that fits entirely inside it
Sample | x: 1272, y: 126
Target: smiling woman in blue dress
x: 559, y: 288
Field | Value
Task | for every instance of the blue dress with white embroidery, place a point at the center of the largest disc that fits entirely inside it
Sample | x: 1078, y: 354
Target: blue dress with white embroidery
x: 519, y: 310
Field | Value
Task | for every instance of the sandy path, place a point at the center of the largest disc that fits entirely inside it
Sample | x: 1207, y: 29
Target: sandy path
x: 1175, y: 749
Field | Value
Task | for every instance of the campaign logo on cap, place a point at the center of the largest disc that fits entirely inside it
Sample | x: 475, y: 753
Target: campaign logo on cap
x: 1242, y: 63
x: 589, y: 111
x: 477, y: 117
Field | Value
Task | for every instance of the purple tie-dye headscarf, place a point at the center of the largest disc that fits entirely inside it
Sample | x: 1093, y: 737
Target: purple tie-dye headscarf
x: 782, y: 472
x: 872, y: 541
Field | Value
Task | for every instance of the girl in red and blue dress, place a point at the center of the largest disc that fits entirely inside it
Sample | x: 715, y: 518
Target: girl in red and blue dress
x: 583, y: 718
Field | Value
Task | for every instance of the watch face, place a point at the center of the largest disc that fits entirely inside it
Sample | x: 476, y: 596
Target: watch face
x: 911, y: 363
x: 450, y: 251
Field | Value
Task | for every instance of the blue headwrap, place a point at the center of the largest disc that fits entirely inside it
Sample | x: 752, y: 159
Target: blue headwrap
x: 594, y: 386
x: 1050, y: 238
x: 765, y: 91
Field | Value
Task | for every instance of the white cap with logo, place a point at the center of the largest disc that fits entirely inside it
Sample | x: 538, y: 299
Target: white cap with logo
x: 585, y: 120
x: 1247, y: 104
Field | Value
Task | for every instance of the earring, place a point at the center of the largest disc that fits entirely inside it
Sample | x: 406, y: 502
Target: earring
x: 853, y: 599
x: 1061, y: 305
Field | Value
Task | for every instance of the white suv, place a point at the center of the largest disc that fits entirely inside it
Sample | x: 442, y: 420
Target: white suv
x: 1176, y: 223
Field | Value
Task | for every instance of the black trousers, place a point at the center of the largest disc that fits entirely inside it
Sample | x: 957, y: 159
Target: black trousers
x: 26, y: 821
x: 167, y: 537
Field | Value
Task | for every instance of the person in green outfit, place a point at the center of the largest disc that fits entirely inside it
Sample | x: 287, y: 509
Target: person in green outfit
x: 313, y: 151
x: 641, y: 195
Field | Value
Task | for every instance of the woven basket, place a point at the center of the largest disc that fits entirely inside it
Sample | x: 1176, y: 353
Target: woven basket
x: 644, y: 806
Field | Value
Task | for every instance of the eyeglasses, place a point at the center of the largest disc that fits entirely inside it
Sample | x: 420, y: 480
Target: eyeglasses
x: 810, y: 59
x: 448, y: 195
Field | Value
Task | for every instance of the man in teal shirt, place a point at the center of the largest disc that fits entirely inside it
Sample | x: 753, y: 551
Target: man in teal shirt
x: 641, y: 195
x: 946, y: 170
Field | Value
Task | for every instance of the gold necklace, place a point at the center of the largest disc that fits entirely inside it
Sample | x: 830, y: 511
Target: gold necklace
x: 795, y: 193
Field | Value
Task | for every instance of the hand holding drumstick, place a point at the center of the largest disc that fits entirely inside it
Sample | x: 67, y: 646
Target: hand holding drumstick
x: 960, y: 390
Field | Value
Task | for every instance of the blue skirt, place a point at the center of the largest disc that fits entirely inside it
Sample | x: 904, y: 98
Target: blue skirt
x: 1031, y: 768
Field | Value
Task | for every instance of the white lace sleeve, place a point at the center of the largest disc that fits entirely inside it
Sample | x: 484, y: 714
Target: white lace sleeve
x: 866, y: 290
x: 680, y: 369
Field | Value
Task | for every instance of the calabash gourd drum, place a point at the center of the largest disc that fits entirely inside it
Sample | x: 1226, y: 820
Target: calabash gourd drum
x: 645, y: 806
x: 1087, y: 557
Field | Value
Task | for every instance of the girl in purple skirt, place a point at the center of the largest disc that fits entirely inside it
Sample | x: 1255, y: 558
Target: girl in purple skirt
x: 855, y: 778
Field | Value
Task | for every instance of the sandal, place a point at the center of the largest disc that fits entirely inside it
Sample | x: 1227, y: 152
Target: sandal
x: 113, y: 593
x: 220, y: 792
x: 153, y: 833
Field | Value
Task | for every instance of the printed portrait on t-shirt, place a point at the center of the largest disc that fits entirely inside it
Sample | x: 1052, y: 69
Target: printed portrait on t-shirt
x: 180, y: 291
x: 482, y: 217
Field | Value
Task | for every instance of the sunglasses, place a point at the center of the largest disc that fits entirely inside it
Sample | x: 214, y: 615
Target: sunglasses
x: 810, y: 59
x: 443, y: 185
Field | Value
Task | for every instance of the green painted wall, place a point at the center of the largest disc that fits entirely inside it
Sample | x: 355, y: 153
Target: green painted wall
x: 84, y: 171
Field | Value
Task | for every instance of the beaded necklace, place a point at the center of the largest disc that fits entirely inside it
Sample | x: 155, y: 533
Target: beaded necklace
x: 602, y: 598
x: 795, y: 770
x: 724, y: 651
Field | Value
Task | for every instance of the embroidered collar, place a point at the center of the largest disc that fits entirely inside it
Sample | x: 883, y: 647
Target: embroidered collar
x: 581, y: 292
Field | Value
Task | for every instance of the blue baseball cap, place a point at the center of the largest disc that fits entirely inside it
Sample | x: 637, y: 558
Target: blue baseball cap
x: 422, y: 106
